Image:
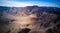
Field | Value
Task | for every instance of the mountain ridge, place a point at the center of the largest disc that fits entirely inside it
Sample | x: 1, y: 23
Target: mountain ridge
x: 48, y: 9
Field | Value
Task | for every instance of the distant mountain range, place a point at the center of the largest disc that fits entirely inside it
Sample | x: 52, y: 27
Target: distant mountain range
x: 37, y: 9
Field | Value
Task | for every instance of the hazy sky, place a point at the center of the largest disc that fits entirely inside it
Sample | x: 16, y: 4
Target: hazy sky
x: 23, y: 3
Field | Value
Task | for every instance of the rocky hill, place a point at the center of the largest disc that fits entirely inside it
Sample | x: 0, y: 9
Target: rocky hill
x: 30, y: 19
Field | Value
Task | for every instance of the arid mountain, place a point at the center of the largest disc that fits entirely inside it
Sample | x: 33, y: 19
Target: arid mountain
x: 30, y: 19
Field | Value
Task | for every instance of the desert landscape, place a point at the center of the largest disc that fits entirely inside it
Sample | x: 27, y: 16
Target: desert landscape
x: 29, y: 19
